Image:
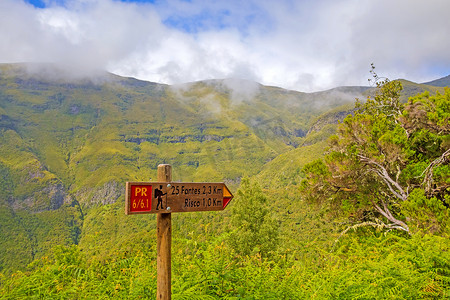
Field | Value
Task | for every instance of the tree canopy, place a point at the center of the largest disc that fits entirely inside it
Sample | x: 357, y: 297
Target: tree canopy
x: 388, y: 164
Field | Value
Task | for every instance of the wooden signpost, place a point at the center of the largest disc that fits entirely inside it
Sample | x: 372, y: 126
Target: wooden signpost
x: 165, y: 197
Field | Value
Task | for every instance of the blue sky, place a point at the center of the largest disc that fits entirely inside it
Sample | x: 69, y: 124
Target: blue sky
x: 208, y: 17
x: 296, y: 44
x: 49, y: 3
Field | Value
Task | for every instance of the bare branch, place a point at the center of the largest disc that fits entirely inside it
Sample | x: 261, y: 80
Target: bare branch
x: 428, y: 172
x: 388, y: 215
x: 377, y: 224
x: 381, y: 171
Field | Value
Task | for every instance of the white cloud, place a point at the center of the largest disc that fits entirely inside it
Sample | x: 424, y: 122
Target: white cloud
x: 303, y: 45
x: 403, y: 38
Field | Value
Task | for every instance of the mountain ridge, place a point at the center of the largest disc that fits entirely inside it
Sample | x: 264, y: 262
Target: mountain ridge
x: 44, y: 70
x: 442, y: 82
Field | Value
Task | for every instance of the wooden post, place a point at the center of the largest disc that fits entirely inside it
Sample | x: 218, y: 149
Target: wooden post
x: 164, y: 243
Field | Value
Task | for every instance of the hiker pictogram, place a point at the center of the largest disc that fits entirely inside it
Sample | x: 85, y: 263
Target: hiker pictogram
x: 158, y: 195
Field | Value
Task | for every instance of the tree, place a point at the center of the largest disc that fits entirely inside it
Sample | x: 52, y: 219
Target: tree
x: 254, y: 230
x: 388, y: 161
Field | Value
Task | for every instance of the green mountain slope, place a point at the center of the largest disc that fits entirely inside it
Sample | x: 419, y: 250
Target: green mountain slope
x: 68, y: 145
x: 442, y: 82
x: 81, y: 139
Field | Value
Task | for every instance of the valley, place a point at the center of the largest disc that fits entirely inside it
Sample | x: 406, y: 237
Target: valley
x: 68, y: 145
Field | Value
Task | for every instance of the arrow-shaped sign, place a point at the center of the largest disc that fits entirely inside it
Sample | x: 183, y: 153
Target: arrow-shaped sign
x: 163, y: 197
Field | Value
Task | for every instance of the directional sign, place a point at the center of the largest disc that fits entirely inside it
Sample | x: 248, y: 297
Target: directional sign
x: 163, y: 197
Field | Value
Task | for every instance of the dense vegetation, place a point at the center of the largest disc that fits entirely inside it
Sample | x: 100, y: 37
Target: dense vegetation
x: 388, y: 165
x: 367, y: 218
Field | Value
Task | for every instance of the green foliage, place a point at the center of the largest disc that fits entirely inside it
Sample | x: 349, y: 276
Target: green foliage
x: 15, y: 241
x: 253, y: 228
x: 427, y: 214
x: 284, y: 172
x: 6, y: 183
x: 386, y: 103
x: 373, y: 266
x: 107, y: 229
x: 27, y: 236
x: 388, y: 267
x: 70, y: 275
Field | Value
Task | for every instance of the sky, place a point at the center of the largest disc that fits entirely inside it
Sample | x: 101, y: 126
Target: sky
x: 295, y: 44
